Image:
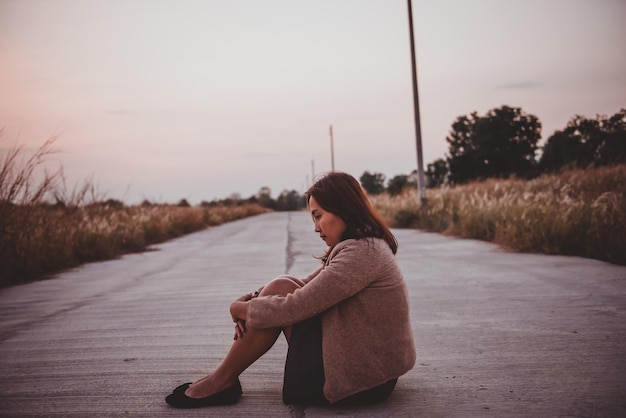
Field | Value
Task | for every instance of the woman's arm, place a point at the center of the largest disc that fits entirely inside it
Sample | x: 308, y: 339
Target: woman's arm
x: 312, y: 275
x: 353, y: 266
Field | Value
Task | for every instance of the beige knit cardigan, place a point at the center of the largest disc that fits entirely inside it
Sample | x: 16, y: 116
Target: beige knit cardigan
x: 362, y: 298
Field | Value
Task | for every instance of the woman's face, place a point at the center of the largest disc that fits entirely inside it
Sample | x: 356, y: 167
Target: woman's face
x: 330, y: 226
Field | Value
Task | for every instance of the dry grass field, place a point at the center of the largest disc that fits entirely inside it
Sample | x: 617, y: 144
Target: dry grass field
x: 40, y: 239
x: 46, y: 226
x: 576, y: 212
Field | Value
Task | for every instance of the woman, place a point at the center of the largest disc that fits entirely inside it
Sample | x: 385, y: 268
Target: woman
x: 347, y: 323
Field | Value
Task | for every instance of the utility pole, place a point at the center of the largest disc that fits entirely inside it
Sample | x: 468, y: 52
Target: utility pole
x: 332, y: 150
x: 421, y: 184
x: 312, y: 171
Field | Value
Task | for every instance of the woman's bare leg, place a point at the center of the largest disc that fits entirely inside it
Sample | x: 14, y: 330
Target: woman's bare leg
x: 246, y: 350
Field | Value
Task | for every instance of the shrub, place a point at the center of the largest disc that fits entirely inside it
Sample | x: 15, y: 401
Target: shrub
x: 38, y: 237
x: 576, y: 212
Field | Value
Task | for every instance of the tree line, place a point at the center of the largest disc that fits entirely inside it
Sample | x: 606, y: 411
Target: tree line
x: 287, y: 200
x: 505, y: 143
x: 502, y: 143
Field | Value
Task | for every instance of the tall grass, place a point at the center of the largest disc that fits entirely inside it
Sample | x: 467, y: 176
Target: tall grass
x: 578, y: 212
x: 46, y: 227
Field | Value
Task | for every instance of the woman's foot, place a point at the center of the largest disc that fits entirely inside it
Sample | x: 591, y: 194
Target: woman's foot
x: 208, y: 386
x: 180, y: 399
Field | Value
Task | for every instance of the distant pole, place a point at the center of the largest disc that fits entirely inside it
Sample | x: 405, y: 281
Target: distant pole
x: 332, y: 150
x: 312, y: 171
x: 421, y: 184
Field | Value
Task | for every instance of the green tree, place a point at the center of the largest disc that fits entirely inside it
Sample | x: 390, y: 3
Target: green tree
x: 290, y: 200
x: 563, y: 150
x: 264, y: 198
x: 462, y: 150
x: 613, y: 147
x: 436, y: 173
x: 396, y: 184
x: 499, y: 144
x: 584, y: 141
x: 373, y: 183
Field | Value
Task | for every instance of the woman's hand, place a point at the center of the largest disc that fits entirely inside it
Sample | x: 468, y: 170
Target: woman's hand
x: 249, y: 296
x: 245, y: 298
x: 239, y: 313
x: 240, y: 329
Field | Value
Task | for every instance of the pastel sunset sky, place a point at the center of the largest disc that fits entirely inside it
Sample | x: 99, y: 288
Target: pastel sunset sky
x: 199, y: 99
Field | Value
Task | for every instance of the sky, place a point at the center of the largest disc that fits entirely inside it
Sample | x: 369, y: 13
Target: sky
x: 200, y: 99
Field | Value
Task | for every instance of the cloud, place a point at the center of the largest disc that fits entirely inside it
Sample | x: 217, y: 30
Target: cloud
x: 519, y: 85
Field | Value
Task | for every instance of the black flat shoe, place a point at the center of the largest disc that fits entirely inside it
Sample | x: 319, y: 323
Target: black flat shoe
x: 182, y: 387
x: 228, y: 396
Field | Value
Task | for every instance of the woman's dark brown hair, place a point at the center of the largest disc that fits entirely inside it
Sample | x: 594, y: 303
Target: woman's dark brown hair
x: 342, y: 195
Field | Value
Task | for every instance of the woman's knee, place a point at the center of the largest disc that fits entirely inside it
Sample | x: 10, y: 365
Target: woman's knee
x: 294, y: 279
x: 282, y: 285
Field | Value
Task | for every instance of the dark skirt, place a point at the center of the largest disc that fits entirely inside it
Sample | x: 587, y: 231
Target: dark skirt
x: 303, y: 383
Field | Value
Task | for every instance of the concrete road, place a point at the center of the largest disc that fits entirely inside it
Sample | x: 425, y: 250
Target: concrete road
x: 498, y: 334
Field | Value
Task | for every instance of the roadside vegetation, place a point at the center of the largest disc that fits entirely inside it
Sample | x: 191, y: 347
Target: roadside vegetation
x: 497, y: 184
x: 45, y: 226
x: 576, y: 212
x: 494, y: 184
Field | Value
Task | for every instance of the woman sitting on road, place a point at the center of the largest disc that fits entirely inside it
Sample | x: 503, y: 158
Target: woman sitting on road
x: 347, y: 323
